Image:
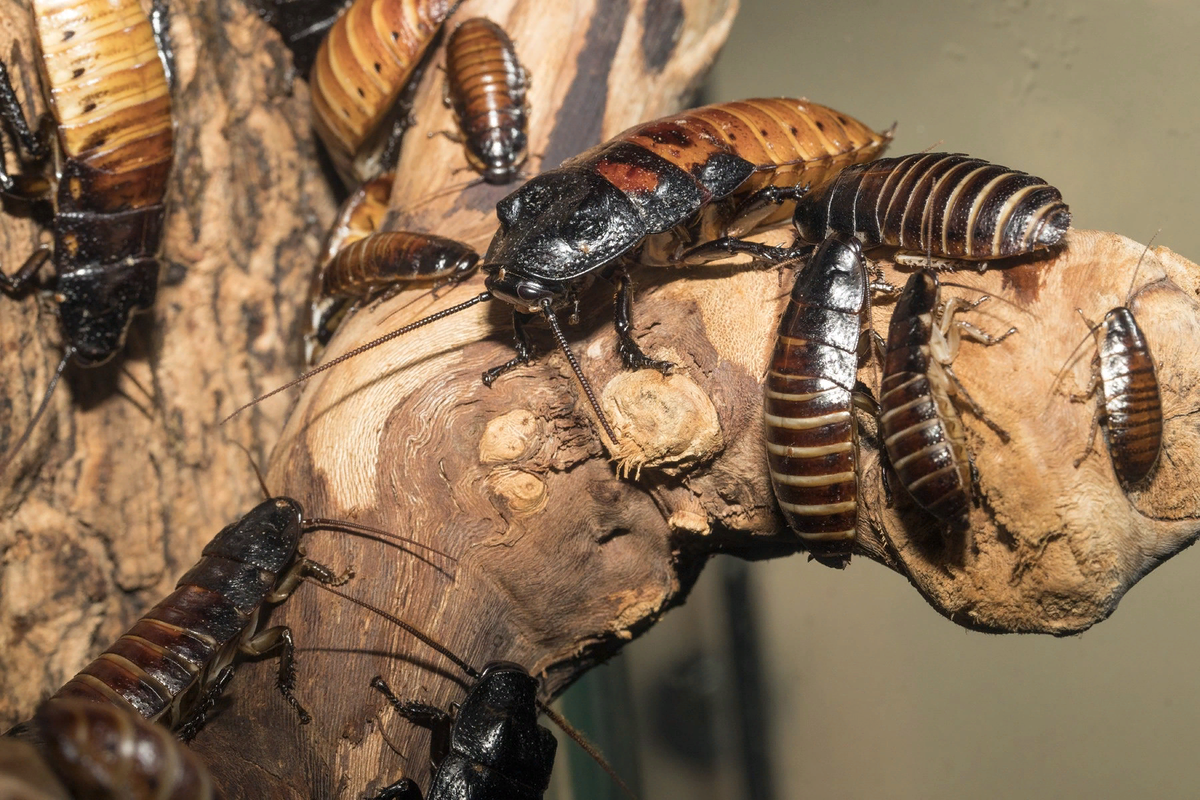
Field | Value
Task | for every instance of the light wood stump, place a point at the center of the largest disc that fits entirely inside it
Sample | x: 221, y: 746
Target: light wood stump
x: 560, y: 559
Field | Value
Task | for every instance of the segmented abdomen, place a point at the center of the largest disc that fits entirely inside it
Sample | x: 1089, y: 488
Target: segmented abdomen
x: 383, y: 260
x: 949, y: 205
x: 1132, y: 401
x: 486, y: 86
x: 363, y: 66
x: 922, y: 430
x: 810, y: 429
x: 359, y: 216
x: 108, y: 92
x: 100, y: 750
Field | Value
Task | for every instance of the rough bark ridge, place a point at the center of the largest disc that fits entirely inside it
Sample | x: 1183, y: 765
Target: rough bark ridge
x: 559, y: 558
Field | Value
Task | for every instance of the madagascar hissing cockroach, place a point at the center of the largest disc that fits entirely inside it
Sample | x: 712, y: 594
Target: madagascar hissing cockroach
x: 810, y: 394
x: 107, y: 752
x: 1129, y: 406
x: 485, y: 85
x: 922, y: 431
x: 491, y: 747
x: 362, y: 69
x: 359, y: 265
x: 171, y: 666
x: 25, y: 775
x: 107, y: 91
x: 651, y: 189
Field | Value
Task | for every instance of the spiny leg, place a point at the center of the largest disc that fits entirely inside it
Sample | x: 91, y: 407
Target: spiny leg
x: 403, y: 789
x: 1096, y: 415
x: 280, y: 637
x: 751, y: 211
x: 631, y: 354
x: 961, y: 391
x: 191, y: 726
x: 14, y: 115
x: 727, y: 246
x: 522, y: 346
x: 17, y: 282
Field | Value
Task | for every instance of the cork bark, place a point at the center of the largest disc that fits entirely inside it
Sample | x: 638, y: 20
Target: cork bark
x: 564, y: 545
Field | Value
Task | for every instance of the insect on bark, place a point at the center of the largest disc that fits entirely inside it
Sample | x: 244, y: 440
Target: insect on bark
x: 647, y: 193
x: 108, y: 93
x: 485, y: 85
x: 302, y: 24
x: 360, y: 265
x: 811, y: 389
x: 171, y: 666
x: 361, y: 72
x: 923, y: 433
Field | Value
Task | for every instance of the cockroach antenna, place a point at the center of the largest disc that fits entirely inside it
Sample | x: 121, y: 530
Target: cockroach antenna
x: 37, y: 415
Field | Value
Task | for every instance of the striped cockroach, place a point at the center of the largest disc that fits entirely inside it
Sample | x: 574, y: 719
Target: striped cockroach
x: 650, y: 189
x: 810, y: 394
x: 362, y: 69
x: 485, y: 85
x: 1129, y: 406
x: 359, y: 265
x: 931, y: 204
x: 106, y: 752
x: 171, y: 666
x: 923, y: 434
x: 108, y: 94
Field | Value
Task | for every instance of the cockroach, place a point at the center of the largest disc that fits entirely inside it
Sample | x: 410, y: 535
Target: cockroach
x: 25, y: 775
x: 173, y: 664
x: 929, y: 204
x: 107, y: 752
x: 1129, y: 406
x: 811, y: 390
x: 108, y: 93
x: 651, y: 189
x: 486, y: 85
x: 302, y: 24
x: 362, y: 69
x: 923, y: 433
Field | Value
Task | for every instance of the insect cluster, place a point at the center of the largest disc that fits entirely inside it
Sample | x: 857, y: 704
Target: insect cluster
x: 673, y: 192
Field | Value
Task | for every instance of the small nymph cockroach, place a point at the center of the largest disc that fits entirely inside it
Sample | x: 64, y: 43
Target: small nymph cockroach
x: 950, y: 205
x: 107, y: 91
x: 362, y: 69
x: 650, y: 190
x: 922, y: 431
x: 99, y: 750
x: 171, y: 666
x: 485, y: 85
x: 810, y: 394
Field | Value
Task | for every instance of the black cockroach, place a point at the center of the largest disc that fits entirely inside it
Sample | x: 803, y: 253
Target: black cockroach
x: 811, y: 390
x: 486, y: 85
x: 171, y: 666
x: 948, y: 205
x: 108, y: 93
x: 492, y: 748
x: 107, y: 752
x: 362, y: 68
x: 302, y: 24
x: 1129, y: 405
x: 922, y: 431
x: 650, y: 189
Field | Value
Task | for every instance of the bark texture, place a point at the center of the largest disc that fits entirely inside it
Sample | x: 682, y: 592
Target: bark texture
x: 565, y: 546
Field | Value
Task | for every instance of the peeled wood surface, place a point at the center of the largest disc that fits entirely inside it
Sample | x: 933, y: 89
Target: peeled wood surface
x: 560, y: 560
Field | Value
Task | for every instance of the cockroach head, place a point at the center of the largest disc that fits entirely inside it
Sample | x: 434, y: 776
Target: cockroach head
x: 561, y: 225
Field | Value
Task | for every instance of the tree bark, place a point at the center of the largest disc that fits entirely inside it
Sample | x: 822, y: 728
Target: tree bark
x: 565, y: 545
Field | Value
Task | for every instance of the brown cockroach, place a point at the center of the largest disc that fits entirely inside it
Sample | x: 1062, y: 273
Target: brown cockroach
x: 25, y: 775
x: 363, y: 67
x: 486, y: 85
x: 171, y: 666
x: 922, y: 431
x: 107, y: 90
x: 648, y: 191
x: 302, y: 24
x: 810, y: 394
x: 105, y: 751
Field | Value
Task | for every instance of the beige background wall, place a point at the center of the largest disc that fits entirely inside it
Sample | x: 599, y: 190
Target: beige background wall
x: 873, y: 694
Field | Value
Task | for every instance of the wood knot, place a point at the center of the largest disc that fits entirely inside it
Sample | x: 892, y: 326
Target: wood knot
x: 509, y: 437
x: 665, y: 422
x: 523, y: 492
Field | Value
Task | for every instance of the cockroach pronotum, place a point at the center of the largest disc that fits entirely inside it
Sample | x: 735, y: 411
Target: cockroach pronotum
x: 1129, y: 407
x: 494, y: 748
x: 485, y: 85
x: 921, y: 428
x: 657, y: 186
x: 363, y: 67
x: 107, y: 90
x: 810, y: 394
x: 171, y: 666
x: 99, y: 750
x: 359, y: 265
